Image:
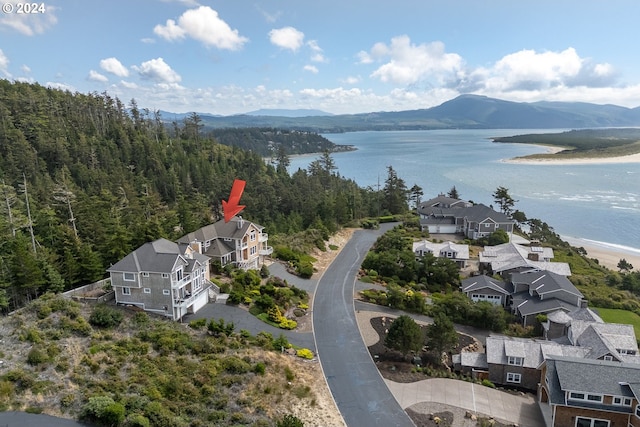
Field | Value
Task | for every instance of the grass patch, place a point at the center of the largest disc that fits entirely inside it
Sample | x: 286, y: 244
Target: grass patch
x: 614, y: 315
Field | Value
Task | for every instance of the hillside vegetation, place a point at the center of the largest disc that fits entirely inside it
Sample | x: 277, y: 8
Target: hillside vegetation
x: 86, y: 178
x: 116, y: 367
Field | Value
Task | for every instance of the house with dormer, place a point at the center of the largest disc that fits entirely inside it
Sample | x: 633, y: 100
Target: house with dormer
x: 589, y: 393
x: 485, y: 288
x: 162, y: 277
x: 455, y: 252
x: 446, y: 215
x: 511, y: 257
x: 238, y: 242
x: 542, y: 292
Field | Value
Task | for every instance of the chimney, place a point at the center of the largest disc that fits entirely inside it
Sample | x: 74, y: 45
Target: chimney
x: 240, y: 222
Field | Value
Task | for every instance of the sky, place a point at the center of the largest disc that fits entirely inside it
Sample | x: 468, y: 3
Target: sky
x: 339, y: 56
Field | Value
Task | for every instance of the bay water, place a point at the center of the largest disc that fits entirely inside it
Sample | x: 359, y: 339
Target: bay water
x: 592, y: 203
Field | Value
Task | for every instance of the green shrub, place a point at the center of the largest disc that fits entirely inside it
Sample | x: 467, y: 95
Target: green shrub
x: 137, y: 420
x: 290, y: 421
x: 259, y: 368
x: 37, y: 356
x: 103, y: 410
x: 105, y: 317
x: 198, y: 323
x: 305, y: 270
x: 488, y: 383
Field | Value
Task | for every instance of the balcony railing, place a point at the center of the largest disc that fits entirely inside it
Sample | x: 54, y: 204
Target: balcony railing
x: 186, y: 302
x: 266, y: 251
x: 180, y: 283
x: 263, y: 237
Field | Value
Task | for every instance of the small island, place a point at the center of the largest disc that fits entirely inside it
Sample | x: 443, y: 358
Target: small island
x: 611, y: 145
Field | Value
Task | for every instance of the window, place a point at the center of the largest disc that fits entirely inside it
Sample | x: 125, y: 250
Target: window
x: 145, y: 274
x: 586, y: 397
x: 129, y: 277
x: 515, y: 361
x: 252, y: 235
x: 166, y: 292
x: 165, y: 275
x: 147, y: 290
x: 591, y: 422
x: 608, y: 358
x: 253, y: 250
x: 179, y: 275
x: 126, y: 291
x: 513, y: 377
x: 638, y: 411
x: 621, y: 401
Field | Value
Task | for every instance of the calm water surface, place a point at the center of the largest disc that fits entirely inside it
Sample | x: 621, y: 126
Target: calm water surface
x: 598, y: 203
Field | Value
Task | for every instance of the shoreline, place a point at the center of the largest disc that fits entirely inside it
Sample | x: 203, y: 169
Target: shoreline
x: 630, y: 158
x: 607, y: 254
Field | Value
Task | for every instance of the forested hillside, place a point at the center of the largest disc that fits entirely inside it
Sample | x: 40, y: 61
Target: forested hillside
x: 86, y: 178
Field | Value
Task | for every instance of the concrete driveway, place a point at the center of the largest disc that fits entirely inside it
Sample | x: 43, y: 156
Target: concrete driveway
x: 515, y: 408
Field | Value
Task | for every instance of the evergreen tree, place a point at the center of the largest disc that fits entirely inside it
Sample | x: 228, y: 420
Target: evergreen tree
x: 394, y: 200
x: 404, y: 335
x: 441, y: 334
x: 453, y: 193
x: 502, y: 197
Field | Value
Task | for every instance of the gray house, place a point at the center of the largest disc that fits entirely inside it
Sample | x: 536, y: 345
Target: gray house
x: 238, y: 242
x: 162, y: 277
x: 453, y: 251
x: 542, y: 292
x: 485, y: 288
x: 511, y: 257
x: 452, y: 216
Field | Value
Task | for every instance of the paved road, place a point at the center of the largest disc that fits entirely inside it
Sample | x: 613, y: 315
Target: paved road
x: 357, y: 387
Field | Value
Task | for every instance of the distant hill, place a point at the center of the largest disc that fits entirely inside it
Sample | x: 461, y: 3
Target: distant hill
x: 464, y: 112
x: 288, y: 113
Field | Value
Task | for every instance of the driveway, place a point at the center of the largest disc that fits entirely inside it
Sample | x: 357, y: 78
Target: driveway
x: 520, y: 409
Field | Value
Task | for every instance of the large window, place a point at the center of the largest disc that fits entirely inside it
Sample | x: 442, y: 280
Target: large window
x: 591, y: 422
x: 129, y: 277
x: 514, y: 378
x: 126, y: 291
x: 622, y: 401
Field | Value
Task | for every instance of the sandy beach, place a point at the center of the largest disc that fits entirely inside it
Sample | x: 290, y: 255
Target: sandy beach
x: 632, y: 158
x: 607, y: 255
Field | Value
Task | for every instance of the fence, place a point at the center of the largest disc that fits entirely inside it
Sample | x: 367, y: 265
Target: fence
x: 94, y: 293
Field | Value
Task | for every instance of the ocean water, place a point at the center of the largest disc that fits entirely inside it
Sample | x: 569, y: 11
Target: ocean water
x: 597, y: 204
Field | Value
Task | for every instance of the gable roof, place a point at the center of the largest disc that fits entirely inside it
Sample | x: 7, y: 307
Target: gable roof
x: 605, y: 338
x: 236, y: 228
x: 593, y: 376
x: 510, y: 256
x: 462, y: 251
x: 546, y: 283
x: 533, y: 352
x: 475, y: 283
x: 159, y: 256
x: 480, y: 213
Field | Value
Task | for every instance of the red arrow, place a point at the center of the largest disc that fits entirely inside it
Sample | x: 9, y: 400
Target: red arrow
x: 232, y: 207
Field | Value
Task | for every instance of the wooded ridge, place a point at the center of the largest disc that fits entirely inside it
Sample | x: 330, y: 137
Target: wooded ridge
x: 85, y: 179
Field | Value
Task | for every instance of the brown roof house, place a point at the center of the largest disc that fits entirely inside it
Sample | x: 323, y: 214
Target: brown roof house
x: 162, y: 277
x: 238, y: 242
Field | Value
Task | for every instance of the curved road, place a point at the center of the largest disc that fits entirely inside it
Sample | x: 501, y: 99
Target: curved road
x: 357, y: 387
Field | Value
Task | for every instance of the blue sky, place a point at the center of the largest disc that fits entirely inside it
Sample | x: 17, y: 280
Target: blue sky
x: 348, y: 56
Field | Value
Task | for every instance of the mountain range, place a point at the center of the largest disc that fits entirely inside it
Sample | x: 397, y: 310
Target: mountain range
x: 463, y: 112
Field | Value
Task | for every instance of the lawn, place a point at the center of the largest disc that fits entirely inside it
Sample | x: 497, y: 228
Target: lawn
x: 614, y: 315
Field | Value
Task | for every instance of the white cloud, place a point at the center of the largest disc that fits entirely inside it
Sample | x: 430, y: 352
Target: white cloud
x: 408, y: 63
x: 287, y: 38
x: 204, y: 25
x: 128, y: 85
x: 317, y: 55
x: 113, y: 66
x: 97, y: 77
x: 29, y: 24
x: 158, y: 71
x: 311, y: 68
x: 25, y: 69
x: 4, y: 64
x: 352, y: 80
x: 60, y: 86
